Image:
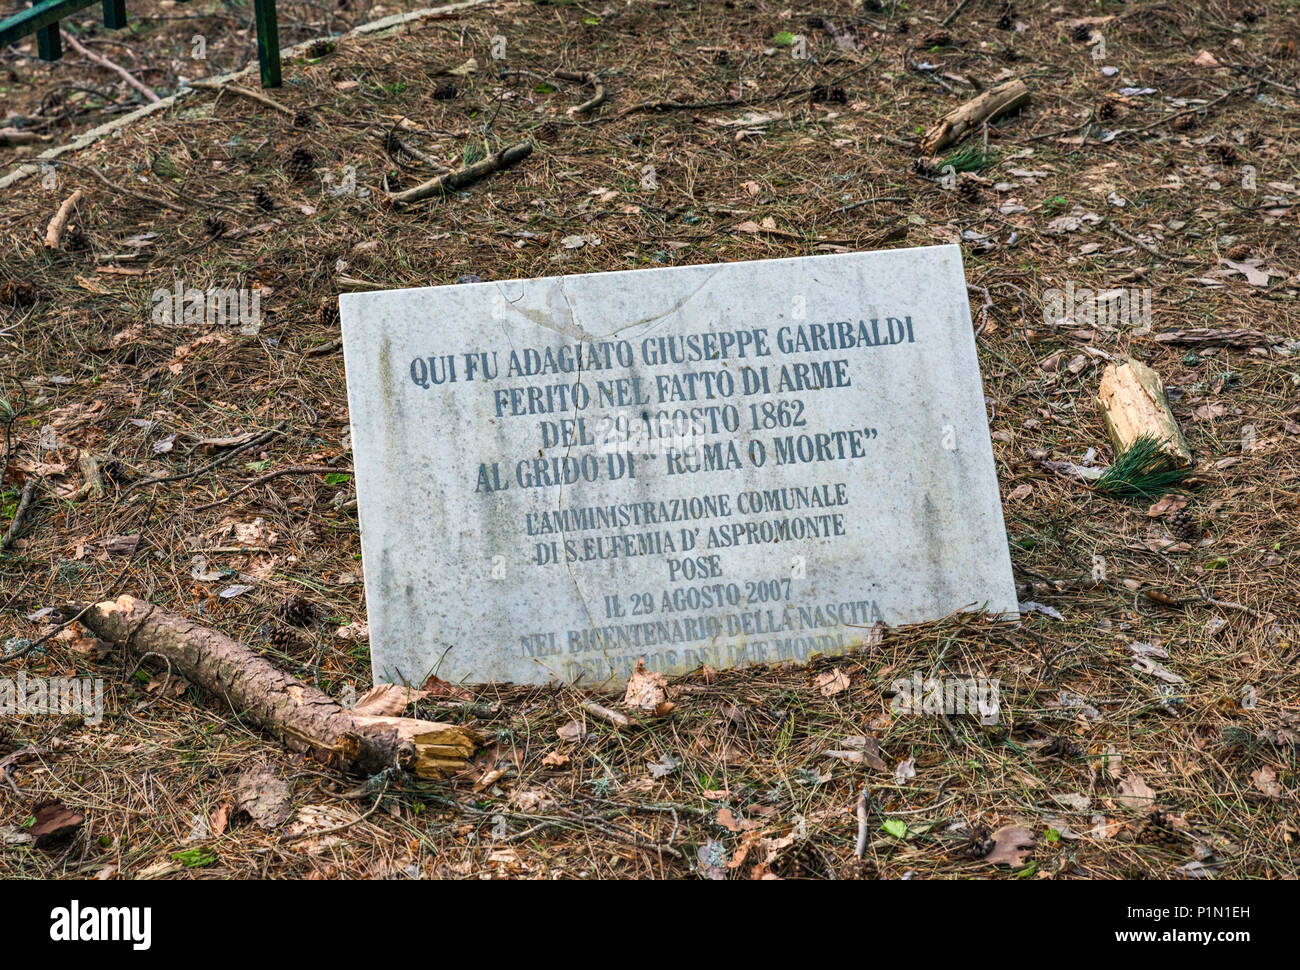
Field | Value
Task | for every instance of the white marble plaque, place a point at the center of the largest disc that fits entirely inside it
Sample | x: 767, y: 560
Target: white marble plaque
x: 726, y: 464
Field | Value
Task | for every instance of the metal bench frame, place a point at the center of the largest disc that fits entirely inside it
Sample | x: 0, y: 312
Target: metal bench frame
x: 43, y: 21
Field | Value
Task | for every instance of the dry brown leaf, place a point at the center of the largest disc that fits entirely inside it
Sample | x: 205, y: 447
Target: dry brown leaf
x: 218, y: 819
x: 435, y: 686
x: 1265, y: 780
x: 1134, y: 793
x: 646, y: 689
x: 1167, y: 505
x: 387, y: 699
x: 1012, y: 845
x: 832, y: 682
x: 573, y: 731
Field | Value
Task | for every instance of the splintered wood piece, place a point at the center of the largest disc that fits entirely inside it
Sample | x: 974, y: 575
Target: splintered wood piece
x: 1133, y: 404
x: 298, y: 714
x: 962, y: 120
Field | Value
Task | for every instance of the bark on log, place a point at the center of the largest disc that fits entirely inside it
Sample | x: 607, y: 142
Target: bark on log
x: 1133, y: 404
x: 962, y: 120
x: 301, y: 716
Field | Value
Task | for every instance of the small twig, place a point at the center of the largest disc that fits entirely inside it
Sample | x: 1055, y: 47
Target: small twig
x: 102, y: 61
x: 118, y: 188
x: 244, y: 92
x: 54, y: 232
x: 506, y: 158
x: 955, y: 13
x: 286, y: 839
x: 9, y: 760
x: 871, y: 201
x: 604, y: 713
x: 10, y: 138
x: 1164, y: 119
x: 251, y: 443
x: 391, y: 141
x: 323, y: 349
x: 1227, y: 605
x: 862, y: 824
x: 24, y: 503
x: 261, y: 479
x: 589, y: 78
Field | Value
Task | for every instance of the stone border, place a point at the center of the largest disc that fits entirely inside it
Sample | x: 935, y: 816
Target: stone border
x: 96, y: 134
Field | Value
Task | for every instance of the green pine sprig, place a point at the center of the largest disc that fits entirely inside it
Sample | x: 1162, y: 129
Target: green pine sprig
x: 1143, y: 471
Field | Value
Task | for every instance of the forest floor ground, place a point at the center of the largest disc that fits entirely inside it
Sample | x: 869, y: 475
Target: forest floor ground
x: 1150, y: 704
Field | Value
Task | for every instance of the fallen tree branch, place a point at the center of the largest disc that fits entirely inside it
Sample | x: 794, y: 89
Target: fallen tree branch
x: 1210, y: 337
x: 117, y: 188
x: 298, y: 714
x: 589, y: 78
x: 54, y: 232
x: 243, y: 92
x: 291, y: 470
x: 24, y: 504
x: 131, y: 79
x: 506, y: 158
x: 962, y: 120
x: 9, y: 138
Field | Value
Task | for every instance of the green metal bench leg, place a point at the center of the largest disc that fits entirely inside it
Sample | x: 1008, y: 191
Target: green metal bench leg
x: 49, y: 44
x: 268, y: 42
x: 115, y: 14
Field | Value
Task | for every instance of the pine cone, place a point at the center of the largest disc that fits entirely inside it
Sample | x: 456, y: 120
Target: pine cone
x: 327, y: 314
x: 1107, y: 110
x: 1238, y: 252
x: 319, y: 48
x: 547, y: 131
x: 262, y: 199
x: 283, y: 638
x: 1081, y: 34
x: 1184, y: 122
x: 17, y: 294
x: 75, y: 240
x: 925, y: 167
x: 968, y: 190
x: 1224, y: 154
x: 936, y: 38
x: 826, y: 94
x: 1157, y: 831
x: 214, y: 226
x: 1184, y: 526
x: 978, y: 844
x: 1005, y: 22
x: 302, y: 119
x: 296, y: 611
x: 299, y: 164
x: 445, y: 92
